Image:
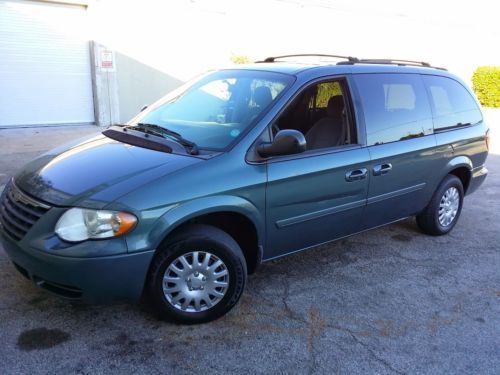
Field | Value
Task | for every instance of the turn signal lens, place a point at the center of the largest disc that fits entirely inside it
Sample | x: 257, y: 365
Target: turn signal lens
x: 124, y: 223
x: 487, y: 139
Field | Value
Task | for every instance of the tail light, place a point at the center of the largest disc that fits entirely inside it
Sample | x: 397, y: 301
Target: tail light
x: 487, y: 139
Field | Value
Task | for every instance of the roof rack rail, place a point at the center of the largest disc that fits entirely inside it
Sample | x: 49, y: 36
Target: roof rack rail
x: 396, y: 62
x: 349, y: 60
x: 272, y: 59
x: 390, y: 62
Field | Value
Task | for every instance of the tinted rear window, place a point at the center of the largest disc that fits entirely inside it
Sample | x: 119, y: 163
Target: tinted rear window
x: 395, y: 107
x: 451, y: 103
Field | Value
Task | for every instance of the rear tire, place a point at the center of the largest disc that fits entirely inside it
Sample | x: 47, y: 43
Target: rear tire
x: 444, y: 209
x: 197, y: 276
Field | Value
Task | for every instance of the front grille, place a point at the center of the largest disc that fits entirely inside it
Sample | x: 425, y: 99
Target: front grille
x: 18, y: 211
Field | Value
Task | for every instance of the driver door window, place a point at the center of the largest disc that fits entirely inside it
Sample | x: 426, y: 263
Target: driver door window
x: 321, y: 112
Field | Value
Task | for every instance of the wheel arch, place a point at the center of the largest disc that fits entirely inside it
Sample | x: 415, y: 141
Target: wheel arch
x: 461, y: 166
x: 234, y: 215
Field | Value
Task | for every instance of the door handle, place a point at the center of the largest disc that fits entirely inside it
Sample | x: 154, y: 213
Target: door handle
x: 381, y: 169
x: 357, y: 174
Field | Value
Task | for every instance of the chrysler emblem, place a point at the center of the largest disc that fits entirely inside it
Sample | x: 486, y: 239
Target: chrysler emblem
x: 18, y: 196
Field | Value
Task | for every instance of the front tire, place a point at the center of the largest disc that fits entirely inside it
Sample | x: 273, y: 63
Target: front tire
x: 444, y: 209
x: 197, y: 276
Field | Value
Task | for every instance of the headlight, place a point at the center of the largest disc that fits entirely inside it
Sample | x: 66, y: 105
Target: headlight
x: 80, y: 224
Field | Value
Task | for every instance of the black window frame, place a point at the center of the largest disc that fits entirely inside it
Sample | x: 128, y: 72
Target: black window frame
x: 349, y: 104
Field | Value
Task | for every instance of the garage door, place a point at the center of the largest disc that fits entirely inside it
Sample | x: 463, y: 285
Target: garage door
x: 45, y: 72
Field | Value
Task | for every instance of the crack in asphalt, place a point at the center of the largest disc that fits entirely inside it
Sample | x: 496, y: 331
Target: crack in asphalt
x: 316, y: 327
x: 367, y: 347
x: 314, y: 322
x: 289, y: 311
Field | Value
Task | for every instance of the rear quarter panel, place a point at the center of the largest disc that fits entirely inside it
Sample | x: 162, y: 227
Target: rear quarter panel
x: 462, y: 147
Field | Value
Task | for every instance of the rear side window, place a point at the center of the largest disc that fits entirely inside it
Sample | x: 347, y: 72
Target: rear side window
x: 395, y: 107
x: 451, y: 103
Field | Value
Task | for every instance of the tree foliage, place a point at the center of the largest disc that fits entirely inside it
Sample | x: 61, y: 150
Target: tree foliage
x: 486, y: 85
x: 240, y: 59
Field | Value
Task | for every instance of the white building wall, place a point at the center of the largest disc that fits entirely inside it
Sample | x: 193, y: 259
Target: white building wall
x: 45, y: 65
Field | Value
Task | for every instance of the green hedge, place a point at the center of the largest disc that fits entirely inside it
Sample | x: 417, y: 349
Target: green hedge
x: 486, y: 85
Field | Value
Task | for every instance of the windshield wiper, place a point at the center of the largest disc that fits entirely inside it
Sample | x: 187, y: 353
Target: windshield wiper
x: 160, y: 131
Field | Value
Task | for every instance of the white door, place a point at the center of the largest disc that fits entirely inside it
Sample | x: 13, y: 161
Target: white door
x: 45, y: 71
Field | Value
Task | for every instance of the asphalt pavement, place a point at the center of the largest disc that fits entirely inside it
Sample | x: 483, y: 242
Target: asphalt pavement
x: 391, y: 300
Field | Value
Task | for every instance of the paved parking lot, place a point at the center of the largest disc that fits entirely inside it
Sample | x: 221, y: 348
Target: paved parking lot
x: 391, y: 300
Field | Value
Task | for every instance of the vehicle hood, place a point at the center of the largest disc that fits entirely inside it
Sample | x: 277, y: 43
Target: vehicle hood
x: 94, y: 172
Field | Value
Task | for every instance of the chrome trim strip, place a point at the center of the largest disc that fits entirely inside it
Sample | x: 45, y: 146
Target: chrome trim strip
x: 331, y: 241
x: 348, y: 206
x: 317, y: 214
x: 395, y: 193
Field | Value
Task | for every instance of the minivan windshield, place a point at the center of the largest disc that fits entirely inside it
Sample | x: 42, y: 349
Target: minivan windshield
x: 215, y: 110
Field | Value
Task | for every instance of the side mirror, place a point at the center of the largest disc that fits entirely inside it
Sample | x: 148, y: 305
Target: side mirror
x: 144, y: 107
x: 286, y: 142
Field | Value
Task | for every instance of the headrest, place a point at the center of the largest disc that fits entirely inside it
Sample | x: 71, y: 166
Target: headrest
x: 262, y: 96
x: 335, y: 106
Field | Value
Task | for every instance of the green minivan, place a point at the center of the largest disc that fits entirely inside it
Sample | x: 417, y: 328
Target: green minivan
x: 239, y: 167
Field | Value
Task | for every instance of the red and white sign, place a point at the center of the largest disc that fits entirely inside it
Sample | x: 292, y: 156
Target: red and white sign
x: 107, y: 60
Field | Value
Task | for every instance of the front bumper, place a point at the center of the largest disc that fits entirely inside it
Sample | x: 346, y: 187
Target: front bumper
x: 91, y: 279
